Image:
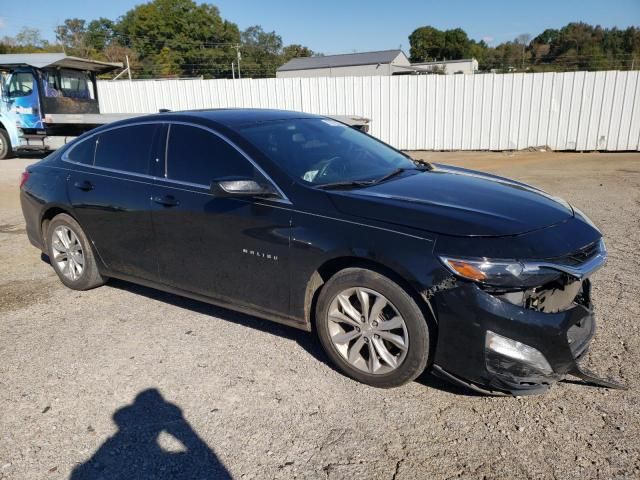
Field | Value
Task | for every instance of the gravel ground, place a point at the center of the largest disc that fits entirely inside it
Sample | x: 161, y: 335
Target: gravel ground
x: 126, y: 382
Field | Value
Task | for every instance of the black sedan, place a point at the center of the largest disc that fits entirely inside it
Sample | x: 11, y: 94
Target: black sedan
x: 397, y: 265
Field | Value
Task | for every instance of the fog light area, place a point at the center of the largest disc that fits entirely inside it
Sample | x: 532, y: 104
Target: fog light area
x: 517, y: 351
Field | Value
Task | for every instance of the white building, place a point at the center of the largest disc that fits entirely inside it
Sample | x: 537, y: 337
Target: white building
x: 365, y: 64
x: 448, y: 67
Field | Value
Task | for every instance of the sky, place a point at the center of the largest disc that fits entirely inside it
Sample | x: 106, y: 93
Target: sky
x: 344, y: 26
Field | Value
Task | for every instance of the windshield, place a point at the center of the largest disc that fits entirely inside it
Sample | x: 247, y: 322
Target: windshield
x: 321, y: 151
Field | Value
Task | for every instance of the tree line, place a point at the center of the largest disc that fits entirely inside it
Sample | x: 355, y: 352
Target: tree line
x: 576, y: 46
x: 167, y: 38
x: 181, y: 38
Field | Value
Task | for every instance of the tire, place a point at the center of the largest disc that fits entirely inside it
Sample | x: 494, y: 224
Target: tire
x: 74, y: 246
x: 359, y: 286
x: 6, y: 151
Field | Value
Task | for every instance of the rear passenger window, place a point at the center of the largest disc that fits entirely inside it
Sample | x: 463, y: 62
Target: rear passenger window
x: 127, y: 148
x: 83, y: 151
x: 198, y: 156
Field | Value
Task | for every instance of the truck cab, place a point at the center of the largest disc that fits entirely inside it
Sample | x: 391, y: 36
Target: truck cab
x: 46, y: 99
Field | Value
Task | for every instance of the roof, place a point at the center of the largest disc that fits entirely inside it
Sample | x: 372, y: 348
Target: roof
x: 52, y: 60
x: 461, y: 60
x: 229, y: 117
x: 344, y: 60
x: 243, y: 116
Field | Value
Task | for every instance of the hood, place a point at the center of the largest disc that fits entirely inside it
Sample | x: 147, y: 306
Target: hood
x: 455, y: 201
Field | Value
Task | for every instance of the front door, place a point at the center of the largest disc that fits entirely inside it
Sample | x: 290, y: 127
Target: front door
x: 110, y: 190
x: 22, y: 102
x: 231, y: 249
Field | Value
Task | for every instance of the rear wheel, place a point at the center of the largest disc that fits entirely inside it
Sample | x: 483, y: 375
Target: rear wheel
x: 5, y: 145
x: 71, y: 255
x: 372, y: 328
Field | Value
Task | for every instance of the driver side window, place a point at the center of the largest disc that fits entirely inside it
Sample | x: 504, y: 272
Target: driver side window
x: 20, y: 85
x: 198, y: 156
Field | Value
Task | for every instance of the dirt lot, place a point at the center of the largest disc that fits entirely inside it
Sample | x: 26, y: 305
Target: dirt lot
x: 146, y: 384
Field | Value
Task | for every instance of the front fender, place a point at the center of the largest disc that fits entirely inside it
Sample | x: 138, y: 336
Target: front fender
x: 11, y: 129
x: 318, y: 241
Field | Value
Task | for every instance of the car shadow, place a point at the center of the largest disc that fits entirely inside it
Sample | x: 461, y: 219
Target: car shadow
x: 135, y: 451
x: 301, y: 337
x: 308, y: 341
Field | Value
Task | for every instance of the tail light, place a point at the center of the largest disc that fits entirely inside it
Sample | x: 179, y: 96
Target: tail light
x: 24, y: 176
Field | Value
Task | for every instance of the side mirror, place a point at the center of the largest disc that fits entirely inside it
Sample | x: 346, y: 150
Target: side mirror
x: 241, y: 188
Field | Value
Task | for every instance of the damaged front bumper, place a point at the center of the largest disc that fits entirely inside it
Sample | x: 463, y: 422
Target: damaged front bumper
x: 518, y: 345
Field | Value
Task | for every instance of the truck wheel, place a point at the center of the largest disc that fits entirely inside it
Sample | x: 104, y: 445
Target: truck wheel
x: 371, y: 328
x: 5, y: 145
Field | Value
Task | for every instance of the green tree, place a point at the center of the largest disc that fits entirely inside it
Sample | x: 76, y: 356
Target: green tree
x: 27, y: 40
x: 100, y: 34
x: 182, y: 33
x: 295, y: 51
x: 176, y: 38
x: 260, y: 51
x: 71, y: 35
x: 426, y: 43
x: 29, y: 37
x: 456, y: 44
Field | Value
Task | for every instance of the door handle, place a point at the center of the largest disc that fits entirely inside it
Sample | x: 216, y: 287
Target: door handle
x: 167, y: 201
x: 85, y: 185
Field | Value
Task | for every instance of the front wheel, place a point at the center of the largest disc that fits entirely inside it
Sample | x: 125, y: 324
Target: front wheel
x: 5, y: 145
x: 372, y: 329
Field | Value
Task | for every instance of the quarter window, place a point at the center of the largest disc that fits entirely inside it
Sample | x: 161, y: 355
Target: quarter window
x: 83, y: 151
x: 127, y: 148
x: 198, y: 156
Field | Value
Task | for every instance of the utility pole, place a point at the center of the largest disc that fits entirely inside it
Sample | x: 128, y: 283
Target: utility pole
x: 233, y: 70
x: 237, y: 47
x: 127, y: 70
x: 128, y: 66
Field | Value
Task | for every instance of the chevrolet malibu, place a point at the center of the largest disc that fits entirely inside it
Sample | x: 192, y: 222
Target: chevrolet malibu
x: 397, y: 265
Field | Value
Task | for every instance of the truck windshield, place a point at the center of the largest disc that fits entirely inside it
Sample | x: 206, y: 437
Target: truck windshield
x: 69, y: 84
x: 20, y: 85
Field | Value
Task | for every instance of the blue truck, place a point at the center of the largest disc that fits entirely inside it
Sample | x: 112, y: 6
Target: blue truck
x: 48, y: 99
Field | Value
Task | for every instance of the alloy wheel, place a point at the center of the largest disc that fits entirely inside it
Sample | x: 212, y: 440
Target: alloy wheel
x: 67, y: 252
x: 367, y: 330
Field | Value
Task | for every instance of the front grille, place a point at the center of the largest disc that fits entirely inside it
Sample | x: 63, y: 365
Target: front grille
x: 580, y: 256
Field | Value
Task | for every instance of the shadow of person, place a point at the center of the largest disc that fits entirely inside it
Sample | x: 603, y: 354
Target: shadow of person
x: 135, y: 451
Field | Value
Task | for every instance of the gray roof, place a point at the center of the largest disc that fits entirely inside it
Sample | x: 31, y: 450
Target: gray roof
x: 44, y: 60
x: 345, y: 60
x: 461, y: 60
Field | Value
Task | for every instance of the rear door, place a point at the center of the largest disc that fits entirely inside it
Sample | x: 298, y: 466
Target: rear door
x: 232, y: 249
x: 110, y: 189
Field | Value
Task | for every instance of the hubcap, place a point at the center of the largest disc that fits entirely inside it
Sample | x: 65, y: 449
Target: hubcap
x: 367, y: 330
x: 67, y: 252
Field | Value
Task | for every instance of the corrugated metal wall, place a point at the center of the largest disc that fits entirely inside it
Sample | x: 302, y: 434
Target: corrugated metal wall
x: 565, y: 111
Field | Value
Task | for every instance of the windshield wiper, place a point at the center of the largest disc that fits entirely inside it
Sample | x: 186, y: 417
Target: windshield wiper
x: 389, y: 175
x: 348, y: 184
x: 362, y: 183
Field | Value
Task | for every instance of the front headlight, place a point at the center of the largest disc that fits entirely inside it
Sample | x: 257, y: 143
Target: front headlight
x: 501, y: 273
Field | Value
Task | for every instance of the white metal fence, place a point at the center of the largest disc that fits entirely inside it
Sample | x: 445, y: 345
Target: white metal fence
x: 565, y: 111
